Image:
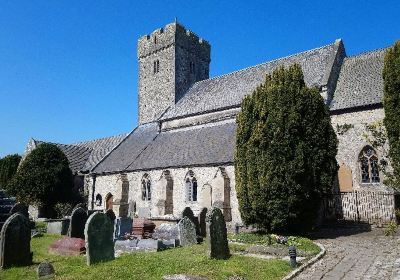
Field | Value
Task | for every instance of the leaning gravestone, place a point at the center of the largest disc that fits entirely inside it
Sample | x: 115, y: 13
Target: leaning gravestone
x: 216, y: 235
x: 15, y: 242
x: 99, y: 231
x: 187, y: 232
x: 77, y: 223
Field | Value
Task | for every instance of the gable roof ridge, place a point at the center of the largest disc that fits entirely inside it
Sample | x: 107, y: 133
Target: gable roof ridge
x: 81, y: 143
x: 264, y: 63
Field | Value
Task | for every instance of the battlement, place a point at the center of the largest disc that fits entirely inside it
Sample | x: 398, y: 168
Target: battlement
x: 173, y: 34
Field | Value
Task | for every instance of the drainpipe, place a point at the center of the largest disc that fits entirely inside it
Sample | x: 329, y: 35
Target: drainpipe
x: 93, y: 190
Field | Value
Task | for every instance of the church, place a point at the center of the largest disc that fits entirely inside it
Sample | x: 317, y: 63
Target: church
x: 182, y: 152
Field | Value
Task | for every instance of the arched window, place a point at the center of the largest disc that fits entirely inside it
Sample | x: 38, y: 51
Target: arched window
x: 191, y: 186
x: 155, y: 39
x: 99, y: 200
x: 146, y: 188
x: 369, y: 166
x: 109, y: 201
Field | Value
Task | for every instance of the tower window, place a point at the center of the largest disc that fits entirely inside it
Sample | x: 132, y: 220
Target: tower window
x: 155, y: 39
x: 156, y: 66
x: 369, y: 166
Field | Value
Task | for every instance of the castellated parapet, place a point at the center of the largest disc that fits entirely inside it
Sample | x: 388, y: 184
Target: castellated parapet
x: 171, y: 59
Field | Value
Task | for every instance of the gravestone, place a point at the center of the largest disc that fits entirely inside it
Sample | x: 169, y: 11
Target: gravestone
x: 99, y: 231
x: 202, y: 222
x: 143, y: 212
x: 132, y: 209
x: 216, y: 235
x: 77, y: 223
x: 15, y: 242
x: 187, y: 232
x: 166, y: 232
x: 20, y: 208
x: 45, y: 270
x: 187, y: 212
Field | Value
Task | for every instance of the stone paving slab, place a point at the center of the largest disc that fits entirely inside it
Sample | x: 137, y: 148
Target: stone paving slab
x: 360, y: 255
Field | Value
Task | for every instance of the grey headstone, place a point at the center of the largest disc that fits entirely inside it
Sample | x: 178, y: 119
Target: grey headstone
x: 131, y: 209
x: 166, y: 232
x: 149, y: 244
x: 77, y: 223
x: 216, y: 235
x: 122, y: 227
x: 20, y: 208
x: 99, y: 231
x: 144, y: 212
x: 45, y: 270
x: 187, y: 232
x: 57, y: 226
x: 15, y: 242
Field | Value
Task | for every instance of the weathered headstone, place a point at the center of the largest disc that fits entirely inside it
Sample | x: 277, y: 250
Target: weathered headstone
x: 15, y: 242
x: 187, y: 212
x: 45, y: 270
x: 166, y: 232
x: 99, y: 231
x: 216, y: 235
x: 20, y: 208
x: 77, y: 223
x: 187, y: 232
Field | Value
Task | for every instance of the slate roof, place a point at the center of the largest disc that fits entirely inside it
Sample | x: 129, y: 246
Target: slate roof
x: 129, y: 149
x: 228, y: 90
x: 360, y: 81
x: 85, y: 155
x: 146, y: 148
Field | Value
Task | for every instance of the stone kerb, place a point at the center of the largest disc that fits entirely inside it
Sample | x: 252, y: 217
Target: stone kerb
x: 187, y: 232
x: 77, y: 223
x: 15, y: 242
x: 217, y: 235
x: 99, y: 230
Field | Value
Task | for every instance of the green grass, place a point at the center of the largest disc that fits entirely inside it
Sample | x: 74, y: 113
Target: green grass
x: 141, y: 265
x: 256, y: 238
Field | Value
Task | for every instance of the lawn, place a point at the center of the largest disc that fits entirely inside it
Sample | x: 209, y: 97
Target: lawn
x: 141, y: 265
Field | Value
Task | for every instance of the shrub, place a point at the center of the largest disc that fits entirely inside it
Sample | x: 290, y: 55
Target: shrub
x: 43, y: 179
x: 285, y: 153
x: 8, y: 168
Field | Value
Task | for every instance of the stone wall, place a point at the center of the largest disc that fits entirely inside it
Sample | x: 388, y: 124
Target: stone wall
x: 353, y: 140
x: 216, y: 186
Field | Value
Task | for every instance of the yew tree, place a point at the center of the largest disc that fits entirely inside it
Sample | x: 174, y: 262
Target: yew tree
x: 391, y: 103
x: 285, y: 153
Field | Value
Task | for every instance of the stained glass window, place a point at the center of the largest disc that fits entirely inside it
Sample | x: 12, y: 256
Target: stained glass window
x: 369, y: 166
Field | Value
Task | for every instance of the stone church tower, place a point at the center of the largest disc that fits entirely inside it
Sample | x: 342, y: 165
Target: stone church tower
x: 171, y: 60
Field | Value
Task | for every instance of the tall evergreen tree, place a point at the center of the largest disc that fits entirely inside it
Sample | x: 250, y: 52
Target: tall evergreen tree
x: 8, y: 168
x: 391, y: 103
x: 285, y: 153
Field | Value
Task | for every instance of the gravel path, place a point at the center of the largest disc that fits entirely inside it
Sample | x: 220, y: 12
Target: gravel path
x: 356, y: 253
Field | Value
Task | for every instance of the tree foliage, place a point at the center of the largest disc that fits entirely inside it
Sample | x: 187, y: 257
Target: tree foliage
x: 44, y: 178
x: 285, y: 153
x: 391, y: 103
x: 8, y: 168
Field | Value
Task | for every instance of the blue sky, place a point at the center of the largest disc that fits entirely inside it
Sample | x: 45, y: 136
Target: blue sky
x: 68, y: 69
